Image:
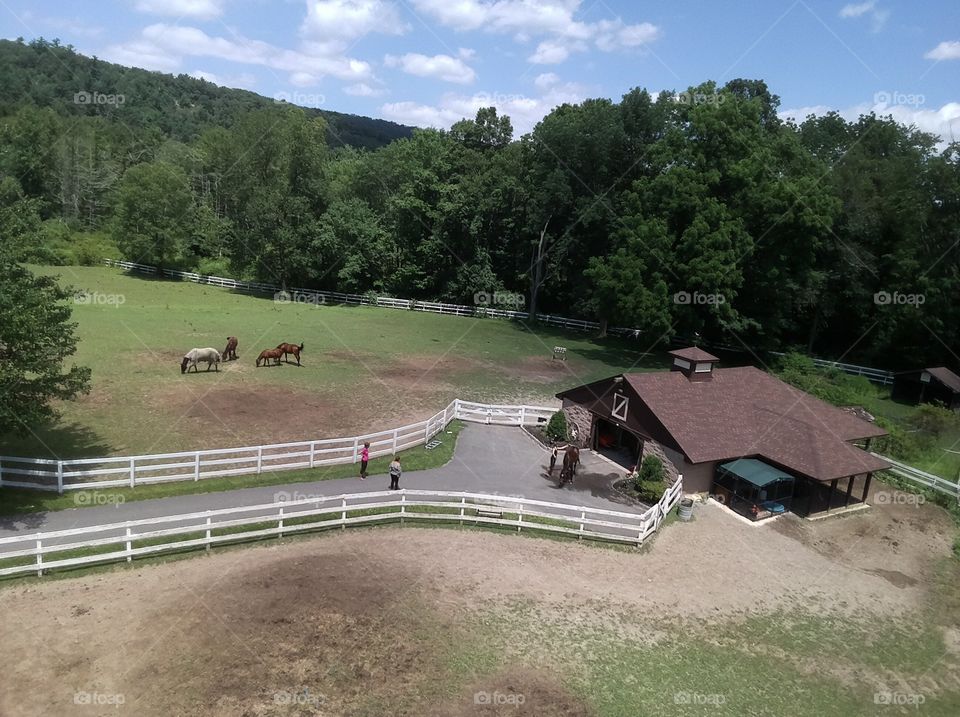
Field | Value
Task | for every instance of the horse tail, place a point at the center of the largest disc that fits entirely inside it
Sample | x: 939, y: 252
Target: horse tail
x: 301, y: 345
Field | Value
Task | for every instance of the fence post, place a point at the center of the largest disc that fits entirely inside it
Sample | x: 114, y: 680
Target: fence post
x: 129, y: 546
x: 403, y: 504
x: 259, y: 459
x: 395, y: 430
x: 583, y: 516
x: 313, y: 452
x: 208, y: 530
x: 39, y: 558
x: 196, y: 466
x: 520, y: 518
x: 463, y: 504
x: 523, y: 415
x: 133, y: 473
x: 456, y: 408
x: 356, y: 447
x: 343, y: 515
x: 60, y: 477
x: 280, y: 523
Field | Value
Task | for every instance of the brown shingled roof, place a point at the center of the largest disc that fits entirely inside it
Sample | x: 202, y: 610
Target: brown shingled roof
x: 747, y: 412
x: 693, y: 354
x: 945, y: 376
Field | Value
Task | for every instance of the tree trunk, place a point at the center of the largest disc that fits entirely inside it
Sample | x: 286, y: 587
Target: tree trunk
x: 603, y: 328
x: 536, y: 274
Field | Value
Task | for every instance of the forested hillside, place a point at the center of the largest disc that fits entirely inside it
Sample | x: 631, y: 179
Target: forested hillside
x: 47, y: 74
x: 701, y: 212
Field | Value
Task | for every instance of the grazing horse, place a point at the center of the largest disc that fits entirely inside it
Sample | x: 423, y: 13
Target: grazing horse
x: 291, y: 349
x: 571, y: 459
x: 268, y: 354
x: 230, y: 353
x: 195, y: 356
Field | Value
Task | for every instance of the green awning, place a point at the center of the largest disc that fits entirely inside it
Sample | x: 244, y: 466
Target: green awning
x: 755, y: 471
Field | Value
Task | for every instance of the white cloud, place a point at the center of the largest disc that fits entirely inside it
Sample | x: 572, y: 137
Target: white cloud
x: 946, y: 50
x: 244, y: 81
x: 906, y: 109
x: 551, y: 20
x: 878, y: 16
x: 163, y: 47
x: 857, y: 10
x: 202, y: 9
x: 303, y: 79
x: 524, y: 112
x: 340, y: 21
x: 547, y: 79
x: 362, y: 89
x: 440, y: 67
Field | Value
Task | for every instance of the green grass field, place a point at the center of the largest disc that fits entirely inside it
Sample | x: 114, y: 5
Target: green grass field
x: 364, y: 368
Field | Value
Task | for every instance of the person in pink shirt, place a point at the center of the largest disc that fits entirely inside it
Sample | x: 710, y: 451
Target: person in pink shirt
x: 364, y: 459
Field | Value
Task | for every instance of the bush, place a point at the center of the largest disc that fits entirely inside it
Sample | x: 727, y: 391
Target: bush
x: 935, y: 420
x: 649, y: 480
x: 214, y: 266
x: 828, y: 384
x: 557, y: 427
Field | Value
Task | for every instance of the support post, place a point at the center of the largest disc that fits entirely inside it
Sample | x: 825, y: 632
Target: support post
x: 129, y: 546
x: 846, y: 500
x: 39, y: 558
x: 463, y: 503
x: 583, y: 517
x: 523, y: 415
x: 280, y: 522
x: 133, y: 472
x: 343, y: 515
x: 208, y: 531
x: 520, y: 518
x: 259, y: 459
x: 60, y: 477
x: 833, y: 490
x: 313, y: 452
x: 866, y: 486
x: 196, y: 466
x: 403, y: 504
x: 395, y: 431
x: 356, y: 448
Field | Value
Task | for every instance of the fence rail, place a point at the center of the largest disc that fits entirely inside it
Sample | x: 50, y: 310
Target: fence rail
x: 295, y: 294
x: 876, y: 375
x: 40, y: 552
x: 131, y: 471
x: 928, y: 480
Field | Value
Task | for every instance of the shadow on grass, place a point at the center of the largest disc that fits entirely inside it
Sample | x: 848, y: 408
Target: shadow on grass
x: 63, y: 440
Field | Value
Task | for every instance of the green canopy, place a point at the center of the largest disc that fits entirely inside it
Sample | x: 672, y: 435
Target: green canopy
x: 755, y: 471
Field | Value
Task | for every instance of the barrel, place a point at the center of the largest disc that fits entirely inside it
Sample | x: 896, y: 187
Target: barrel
x: 685, y: 511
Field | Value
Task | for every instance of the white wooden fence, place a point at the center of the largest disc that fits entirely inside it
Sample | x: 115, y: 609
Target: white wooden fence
x: 301, y: 295
x: 928, y: 480
x: 131, y: 471
x: 39, y: 552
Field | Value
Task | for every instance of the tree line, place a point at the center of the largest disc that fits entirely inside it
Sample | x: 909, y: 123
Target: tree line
x: 699, y: 214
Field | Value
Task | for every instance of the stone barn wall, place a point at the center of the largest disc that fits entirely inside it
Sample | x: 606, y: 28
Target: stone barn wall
x: 579, y: 418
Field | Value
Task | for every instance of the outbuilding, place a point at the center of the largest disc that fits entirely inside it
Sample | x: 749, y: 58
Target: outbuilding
x: 928, y: 385
x: 738, y: 433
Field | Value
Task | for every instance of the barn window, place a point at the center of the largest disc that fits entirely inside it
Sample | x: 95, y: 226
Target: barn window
x: 619, y: 407
x: 703, y: 368
x: 681, y: 363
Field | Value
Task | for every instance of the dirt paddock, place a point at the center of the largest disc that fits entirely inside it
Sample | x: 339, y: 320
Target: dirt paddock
x: 376, y: 621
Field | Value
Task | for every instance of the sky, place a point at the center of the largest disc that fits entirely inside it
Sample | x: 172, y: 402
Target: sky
x: 431, y: 62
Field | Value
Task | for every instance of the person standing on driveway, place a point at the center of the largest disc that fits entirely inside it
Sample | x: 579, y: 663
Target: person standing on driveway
x: 553, y: 459
x: 364, y: 459
x: 395, y: 472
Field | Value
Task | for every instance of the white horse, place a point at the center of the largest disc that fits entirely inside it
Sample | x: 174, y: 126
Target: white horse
x: 195, y: 356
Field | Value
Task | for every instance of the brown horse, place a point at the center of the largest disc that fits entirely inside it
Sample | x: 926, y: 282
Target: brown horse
x: 268, y: 354
x: 291, y: 349
x: 571, y: 459
x: 230, y: 353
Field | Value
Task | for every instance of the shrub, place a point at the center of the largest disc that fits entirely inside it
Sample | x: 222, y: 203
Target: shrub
x: 557, y: 426
x: 935, y: 420
x: 214, y: 266
x: 649, y: 480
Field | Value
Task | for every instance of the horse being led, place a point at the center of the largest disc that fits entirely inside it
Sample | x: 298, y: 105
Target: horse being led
x: 571, y: 459
x: 195, y: 356
x: 268, y: 354
x: 230, y: 353
x: 291, y: 349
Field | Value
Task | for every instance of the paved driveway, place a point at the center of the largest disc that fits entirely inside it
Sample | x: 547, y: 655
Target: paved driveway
x: 500, y: 460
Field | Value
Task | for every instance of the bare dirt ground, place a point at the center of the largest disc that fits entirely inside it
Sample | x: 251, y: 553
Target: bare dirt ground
x: 359, y: 622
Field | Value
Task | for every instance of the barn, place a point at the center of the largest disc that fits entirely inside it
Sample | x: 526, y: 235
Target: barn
x: 761, y: 445
x: 928, y: 385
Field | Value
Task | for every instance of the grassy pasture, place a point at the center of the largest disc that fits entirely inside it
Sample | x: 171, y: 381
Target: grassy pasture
x: 364, y: 368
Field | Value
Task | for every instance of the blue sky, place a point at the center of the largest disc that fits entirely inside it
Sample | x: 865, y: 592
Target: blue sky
x: 431, y: 62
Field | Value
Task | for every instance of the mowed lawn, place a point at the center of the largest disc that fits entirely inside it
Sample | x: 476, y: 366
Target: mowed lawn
x: 364, y: 368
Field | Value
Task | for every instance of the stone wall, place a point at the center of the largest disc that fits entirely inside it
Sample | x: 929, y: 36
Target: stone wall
x: 652, y: 448
x: 579, y: 423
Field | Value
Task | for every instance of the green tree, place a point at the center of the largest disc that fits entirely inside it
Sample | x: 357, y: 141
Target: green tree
x: 155, y: 214
x: 36, y: 334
